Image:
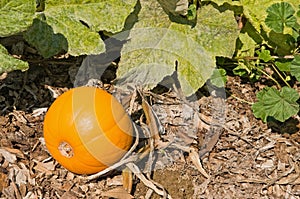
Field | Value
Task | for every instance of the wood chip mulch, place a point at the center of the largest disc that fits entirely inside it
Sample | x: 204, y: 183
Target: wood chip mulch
x: 250, y: 160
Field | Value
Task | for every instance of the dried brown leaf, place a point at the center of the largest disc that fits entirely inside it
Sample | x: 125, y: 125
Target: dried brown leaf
x: 152, y: 121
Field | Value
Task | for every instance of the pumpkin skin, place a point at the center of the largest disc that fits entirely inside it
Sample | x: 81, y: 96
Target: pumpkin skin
x: 86, y: 130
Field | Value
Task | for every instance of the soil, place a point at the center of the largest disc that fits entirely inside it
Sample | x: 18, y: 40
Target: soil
x: 251, y: 159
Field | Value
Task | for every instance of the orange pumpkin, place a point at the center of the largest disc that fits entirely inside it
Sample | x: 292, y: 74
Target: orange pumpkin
x: 86, y: 130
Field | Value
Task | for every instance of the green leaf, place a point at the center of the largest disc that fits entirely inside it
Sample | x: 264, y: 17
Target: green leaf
x: 79, y: 21
x: 8, y: 63
x: 255, y: 11
x: 284, y: 44
x: 264, y: 55
x: 15, y: 16
x: 41, y: 35
x: 295, y: 67
x: 249, y: 39
x: 221, y: 2
x: 241, y: 70
x: 156, y: 43
x: 108, y: 15
x: 218, y: 78
x: 279, y: 16
x: 248, y: 69
x: 176, y: 7
x: 278, y: 104
x: 192, y: 12
x: 283, y: 65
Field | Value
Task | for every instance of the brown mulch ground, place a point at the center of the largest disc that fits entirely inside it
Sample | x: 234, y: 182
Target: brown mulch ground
x: 250, y: 160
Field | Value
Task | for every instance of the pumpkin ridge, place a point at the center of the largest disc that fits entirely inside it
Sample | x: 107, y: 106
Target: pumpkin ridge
x: 61, y: 115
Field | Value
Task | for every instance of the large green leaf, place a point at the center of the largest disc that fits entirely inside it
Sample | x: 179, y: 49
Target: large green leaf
x: 41, y: 35
x: 79, y: 22
x: 156, y: 43
x: 8, y: 63
x: 15, y: 16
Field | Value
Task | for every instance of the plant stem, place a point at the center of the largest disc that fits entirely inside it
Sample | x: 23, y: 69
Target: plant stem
x: 274, y: 57
x: 269, y: 76
x: 239, y: 99
x: 279, y: 74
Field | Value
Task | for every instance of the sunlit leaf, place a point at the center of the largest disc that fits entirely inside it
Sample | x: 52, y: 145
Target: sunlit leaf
x: 279, y: 16
x: 78, y: 23
x: 9, y: 63
x: 156, y: 43
x: 278, y: 104
x: 41, y: 35
x: 264, y: 55
x: 192, y: 12
x: 176, y: 7
x: 15, y: 16
x: 283, y: 65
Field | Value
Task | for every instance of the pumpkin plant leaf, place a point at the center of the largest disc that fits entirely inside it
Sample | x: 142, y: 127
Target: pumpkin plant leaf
x: 176, y: 7
x: 295, y: 67
x: 156, y: 43
x: 278, y: 104
x: 8, y: 63
x: 15, y: 16
x: 279, y: 16
x: 42, y: 36
x: 79, y: 22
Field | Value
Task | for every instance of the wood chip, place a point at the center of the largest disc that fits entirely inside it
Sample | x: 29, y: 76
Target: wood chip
x: 10, y: 157
x: 68, y: 195
x: 118, y: 193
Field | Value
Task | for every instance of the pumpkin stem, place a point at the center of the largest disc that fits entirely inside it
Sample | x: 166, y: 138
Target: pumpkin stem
x: 65, y: 149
